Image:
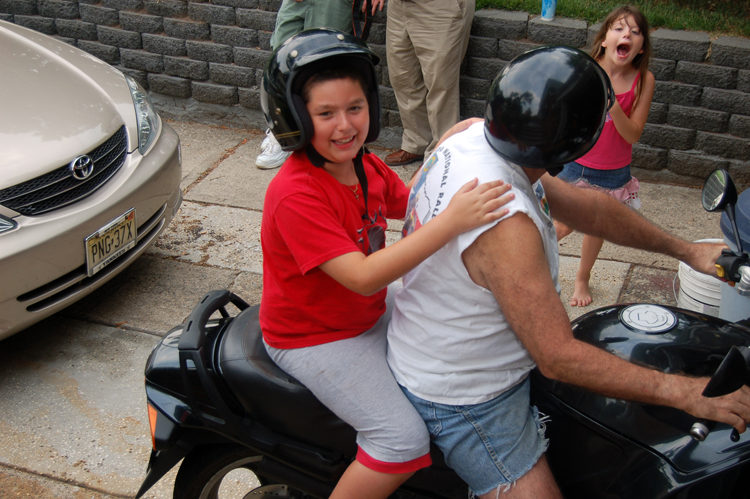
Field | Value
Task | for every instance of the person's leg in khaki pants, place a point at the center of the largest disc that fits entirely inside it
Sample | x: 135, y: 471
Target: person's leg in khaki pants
x: 426, y: 42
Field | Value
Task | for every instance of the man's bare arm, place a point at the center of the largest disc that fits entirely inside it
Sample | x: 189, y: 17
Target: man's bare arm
x: 597, y: 214
x: 509, y: 261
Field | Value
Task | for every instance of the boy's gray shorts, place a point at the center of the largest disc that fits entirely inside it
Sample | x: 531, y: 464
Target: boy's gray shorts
x: 352, y: 378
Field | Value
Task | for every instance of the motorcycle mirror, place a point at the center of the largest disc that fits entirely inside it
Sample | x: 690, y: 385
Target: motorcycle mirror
x: 720, y: 194
x: 731, y: 374
x: 718, y: 191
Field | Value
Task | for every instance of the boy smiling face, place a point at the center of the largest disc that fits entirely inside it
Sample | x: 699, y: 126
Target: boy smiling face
x: 340, y: 117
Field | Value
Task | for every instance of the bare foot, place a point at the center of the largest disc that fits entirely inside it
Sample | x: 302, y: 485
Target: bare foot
x: 581, y: 294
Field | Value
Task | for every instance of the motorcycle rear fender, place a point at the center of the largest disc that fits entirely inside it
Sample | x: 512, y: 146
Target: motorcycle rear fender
x: 161, y: 461
x: 172, y: 440
x: 159, y: 465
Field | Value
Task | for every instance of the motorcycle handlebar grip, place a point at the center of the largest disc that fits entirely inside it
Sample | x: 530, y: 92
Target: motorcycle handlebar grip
x: 701, y: 429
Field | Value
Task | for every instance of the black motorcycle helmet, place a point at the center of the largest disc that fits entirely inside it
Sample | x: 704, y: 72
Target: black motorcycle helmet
x: 292, y: 64
x: 547, y: 107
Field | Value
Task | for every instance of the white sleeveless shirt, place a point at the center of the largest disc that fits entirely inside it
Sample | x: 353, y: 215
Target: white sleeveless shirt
x: 448, y: 341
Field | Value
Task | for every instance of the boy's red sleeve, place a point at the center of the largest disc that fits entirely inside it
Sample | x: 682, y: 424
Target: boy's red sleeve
x: 312, y: 231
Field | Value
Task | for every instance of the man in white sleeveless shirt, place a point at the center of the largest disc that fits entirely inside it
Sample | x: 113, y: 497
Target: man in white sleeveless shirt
x: 476, y: 317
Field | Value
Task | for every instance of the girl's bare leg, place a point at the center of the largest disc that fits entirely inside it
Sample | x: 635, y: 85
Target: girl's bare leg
x: 360, y: 482
x: 589, y: 251
x: 561, y: 229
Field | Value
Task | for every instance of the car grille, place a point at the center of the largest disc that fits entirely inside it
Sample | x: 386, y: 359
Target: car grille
x: 59, y: 188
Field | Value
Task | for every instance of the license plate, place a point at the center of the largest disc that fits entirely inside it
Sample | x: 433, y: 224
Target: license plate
x: 109, y: 242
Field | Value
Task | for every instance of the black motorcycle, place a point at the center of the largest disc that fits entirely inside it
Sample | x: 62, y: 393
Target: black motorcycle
x: 217, y: 400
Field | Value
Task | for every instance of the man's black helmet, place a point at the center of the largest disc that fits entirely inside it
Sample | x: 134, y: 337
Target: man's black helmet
x: 292, y: 64
x: 547, y: 107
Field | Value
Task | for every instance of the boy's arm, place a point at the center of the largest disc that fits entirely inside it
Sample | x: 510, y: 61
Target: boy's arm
x: 474, y: 206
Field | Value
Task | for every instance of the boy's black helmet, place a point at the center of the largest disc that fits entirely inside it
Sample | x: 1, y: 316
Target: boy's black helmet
x: 547, y: 107
x: 290, y: 66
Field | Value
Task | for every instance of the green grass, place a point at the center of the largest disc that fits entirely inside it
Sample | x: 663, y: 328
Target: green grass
x: 717, y: 17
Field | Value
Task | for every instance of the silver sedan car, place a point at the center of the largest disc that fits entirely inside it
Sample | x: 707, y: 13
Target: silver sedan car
x: 89, y: 175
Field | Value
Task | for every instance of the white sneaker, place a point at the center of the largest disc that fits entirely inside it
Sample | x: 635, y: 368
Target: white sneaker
x: 271, y: 155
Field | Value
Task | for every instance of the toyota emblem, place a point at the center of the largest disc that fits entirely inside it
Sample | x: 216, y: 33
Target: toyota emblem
x: 81, y: 167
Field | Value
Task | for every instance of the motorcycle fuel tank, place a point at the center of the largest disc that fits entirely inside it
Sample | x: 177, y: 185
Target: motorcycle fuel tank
x: 651, y: 444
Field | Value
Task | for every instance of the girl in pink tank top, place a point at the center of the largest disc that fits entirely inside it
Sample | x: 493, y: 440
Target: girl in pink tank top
x: 622, y: 48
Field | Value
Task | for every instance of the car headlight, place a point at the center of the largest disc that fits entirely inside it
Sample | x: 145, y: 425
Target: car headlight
x: 6, y: 224
x: 148, y: 120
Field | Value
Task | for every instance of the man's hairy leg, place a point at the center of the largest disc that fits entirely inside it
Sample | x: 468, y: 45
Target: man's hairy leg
x: 538, y: 483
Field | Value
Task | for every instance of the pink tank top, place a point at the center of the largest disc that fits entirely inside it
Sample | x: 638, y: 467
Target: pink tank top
x: 611, y: 151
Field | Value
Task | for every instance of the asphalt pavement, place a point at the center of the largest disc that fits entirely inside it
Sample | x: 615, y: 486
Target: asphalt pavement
x: 73, y: 420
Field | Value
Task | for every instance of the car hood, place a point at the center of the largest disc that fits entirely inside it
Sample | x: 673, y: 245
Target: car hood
x: 57, y: 103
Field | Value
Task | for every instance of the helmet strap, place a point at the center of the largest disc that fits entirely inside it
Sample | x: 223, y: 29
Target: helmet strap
x: 359, y: 170
x: 317, y: 159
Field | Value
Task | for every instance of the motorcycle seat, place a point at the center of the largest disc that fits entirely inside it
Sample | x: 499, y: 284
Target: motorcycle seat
x: 271, y: 396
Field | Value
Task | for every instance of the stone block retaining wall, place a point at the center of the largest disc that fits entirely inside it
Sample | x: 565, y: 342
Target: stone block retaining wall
x: 202, y: 61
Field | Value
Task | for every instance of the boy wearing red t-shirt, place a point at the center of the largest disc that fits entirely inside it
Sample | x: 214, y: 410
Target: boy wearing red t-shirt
x: 326, y: 270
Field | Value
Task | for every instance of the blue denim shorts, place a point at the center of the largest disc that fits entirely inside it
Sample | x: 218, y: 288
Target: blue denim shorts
x: 489, y: 445
x: 606, y: 179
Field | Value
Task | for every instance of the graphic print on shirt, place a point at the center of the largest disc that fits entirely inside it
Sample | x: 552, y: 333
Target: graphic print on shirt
x: 375, y: 232
x: 541, y: 196
x: 419, y: 201
x: 361, y: 240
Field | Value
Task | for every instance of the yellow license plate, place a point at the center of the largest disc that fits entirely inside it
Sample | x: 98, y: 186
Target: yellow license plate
x: 109, y: 242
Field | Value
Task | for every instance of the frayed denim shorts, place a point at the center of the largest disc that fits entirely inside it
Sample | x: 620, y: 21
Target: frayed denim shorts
x: 490, y: 445
x: 606, y: 179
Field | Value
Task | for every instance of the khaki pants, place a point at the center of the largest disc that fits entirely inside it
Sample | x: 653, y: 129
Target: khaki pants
x: 425, y: 42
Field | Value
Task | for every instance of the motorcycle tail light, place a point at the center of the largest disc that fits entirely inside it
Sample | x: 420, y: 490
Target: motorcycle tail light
x: 152, y: 416
x: 164, y: 432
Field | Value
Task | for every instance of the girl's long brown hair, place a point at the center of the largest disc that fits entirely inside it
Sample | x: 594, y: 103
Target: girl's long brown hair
x: 641, y: 60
